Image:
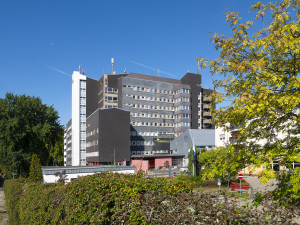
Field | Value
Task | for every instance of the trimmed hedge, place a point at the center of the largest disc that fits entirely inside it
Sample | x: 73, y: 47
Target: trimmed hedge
x: 103, y: 198
x: 111, y: 198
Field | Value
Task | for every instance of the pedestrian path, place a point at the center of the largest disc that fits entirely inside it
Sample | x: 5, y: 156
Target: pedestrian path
x: 3, y: 212
x: 257, y: 187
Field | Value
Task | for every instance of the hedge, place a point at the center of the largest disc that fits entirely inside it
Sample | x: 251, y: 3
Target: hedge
x: 102, y: 198
x: 111, y: 198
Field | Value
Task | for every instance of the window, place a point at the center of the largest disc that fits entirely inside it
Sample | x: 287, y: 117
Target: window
x: 133, y: 133
x: 138, y: 143
x: 133, y: 143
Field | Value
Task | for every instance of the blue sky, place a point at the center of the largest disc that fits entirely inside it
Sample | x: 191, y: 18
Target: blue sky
x: 43, y: 42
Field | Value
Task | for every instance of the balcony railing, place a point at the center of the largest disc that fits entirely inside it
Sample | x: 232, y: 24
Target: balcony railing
x: 206, y: 106
x: 207, y: 98
x: 206, y: 114
x: 206, y: 121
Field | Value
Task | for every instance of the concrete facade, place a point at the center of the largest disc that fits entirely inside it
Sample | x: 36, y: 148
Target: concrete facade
x: 160, y: 108
x: 103, y: 145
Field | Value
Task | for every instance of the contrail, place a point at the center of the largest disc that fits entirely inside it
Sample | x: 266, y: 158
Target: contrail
x: 151, y: 68
x: 57, y: 70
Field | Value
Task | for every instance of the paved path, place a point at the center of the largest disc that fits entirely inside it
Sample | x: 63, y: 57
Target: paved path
x: 257, y: 187
x: 3, y: 213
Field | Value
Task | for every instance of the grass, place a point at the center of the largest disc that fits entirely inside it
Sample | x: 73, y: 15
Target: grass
x: 237, y: 194
x: 210, y: 189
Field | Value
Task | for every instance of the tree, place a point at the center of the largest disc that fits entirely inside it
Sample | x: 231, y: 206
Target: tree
x: 27, y: 126
x: 218, y: 162
x: 260, y: 70
x: 35, y: 174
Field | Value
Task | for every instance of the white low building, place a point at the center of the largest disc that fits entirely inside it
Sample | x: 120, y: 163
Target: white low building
x: 74, y: 172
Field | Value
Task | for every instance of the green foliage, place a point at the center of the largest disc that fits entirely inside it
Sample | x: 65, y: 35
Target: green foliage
x: 192, y: 181
x: 259, y: 67
x: 197, y: 166
x: 26, y: 127
x: 108, y: 198
x: 13, y: 192
x: 103, y: 198
x: 218, y: 162
x: 35, y: 174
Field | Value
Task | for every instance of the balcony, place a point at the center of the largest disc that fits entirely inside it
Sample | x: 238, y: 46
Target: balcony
x: 206, y: 106
x: 233, y: 140
x: 207, y: 99
x: 206, y: 121
x: 206, y: 114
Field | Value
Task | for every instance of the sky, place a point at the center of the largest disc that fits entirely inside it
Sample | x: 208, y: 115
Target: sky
x: 43, y: 42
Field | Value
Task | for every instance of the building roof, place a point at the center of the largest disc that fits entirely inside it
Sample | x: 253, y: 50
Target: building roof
x: 203, y: 137
x: 153, y: 78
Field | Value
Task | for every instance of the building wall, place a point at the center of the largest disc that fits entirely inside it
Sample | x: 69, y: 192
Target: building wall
x: 149, y: 118
x: 161, y: 162
x: 68, y: 144
x: 78, y: 118
x: 140, y: 164
x: 108, y: 134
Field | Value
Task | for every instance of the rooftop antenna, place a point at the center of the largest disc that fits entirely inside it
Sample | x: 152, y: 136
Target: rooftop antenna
x: 79, y: 69
x: 112, y: 65
x: 83, y: 72
x: 125, y: 71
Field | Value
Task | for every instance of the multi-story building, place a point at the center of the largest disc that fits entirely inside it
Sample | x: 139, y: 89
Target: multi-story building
x: 160, y: 108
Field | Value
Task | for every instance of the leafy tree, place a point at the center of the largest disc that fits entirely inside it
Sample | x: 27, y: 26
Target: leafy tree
x: 27, y: 126
x: 56, y: 151
x: 218, y: 162
x: 260, y: 68
x: 35, y: 174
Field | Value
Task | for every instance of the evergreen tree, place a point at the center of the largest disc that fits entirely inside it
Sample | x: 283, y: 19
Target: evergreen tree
x: 35, y: 174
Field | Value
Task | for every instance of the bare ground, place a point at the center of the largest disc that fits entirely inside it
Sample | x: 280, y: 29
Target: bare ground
x: 3, y: 212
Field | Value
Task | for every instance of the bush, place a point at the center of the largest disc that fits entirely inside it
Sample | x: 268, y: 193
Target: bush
x: 13, y: 190
x: 111, y: 198
x: 203, y: 208
x: 103, y: 198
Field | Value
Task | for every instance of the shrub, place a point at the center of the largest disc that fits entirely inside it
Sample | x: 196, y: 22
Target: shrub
x: 35, y: 174
x: 13, y: 190
x: 103, y: 198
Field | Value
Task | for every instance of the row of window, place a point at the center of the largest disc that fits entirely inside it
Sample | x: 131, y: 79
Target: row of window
x: 95, y: 131
x: 111, y: 90
x: 183, y: 115
x: 182, y: 124
x: 141, y: 153
x: 182, y: 99
x: 92, y: 143
x: 152, y: 124
x: 142, y: 133
x: 110, y: 106
x: 155, y: 115
x: 141, y: 143
x: 151, y: 90
x: 182, y: 90
x: 111, y: 99
x: 155, y: 107
x: 147, y: 98
x: 182, y: 107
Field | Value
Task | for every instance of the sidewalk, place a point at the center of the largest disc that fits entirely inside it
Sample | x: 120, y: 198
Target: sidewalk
x: 3, y: 213
x: 257, y: 187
